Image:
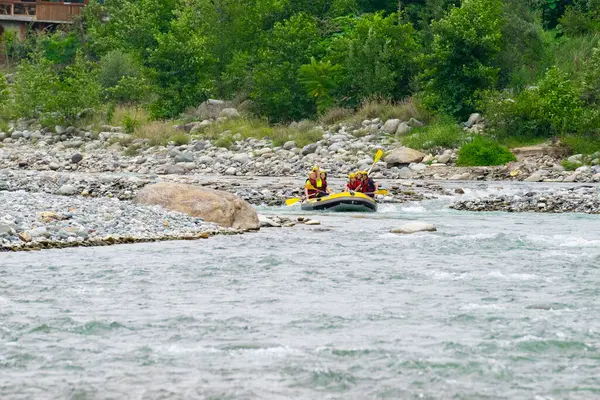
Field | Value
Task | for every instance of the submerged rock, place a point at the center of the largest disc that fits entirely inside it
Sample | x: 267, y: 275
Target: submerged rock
x: 414, y: 227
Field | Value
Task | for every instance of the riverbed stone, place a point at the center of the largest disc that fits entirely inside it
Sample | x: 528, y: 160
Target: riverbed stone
x: 216, y: 206
x: 403, y: 156
x: 414, y: 227
x: 403, y: 129
x: 76, y: 158
x: 391, y: 125
x: 230, y: 113
x: 309, y: 149
x: 289, y: 145
x: 66, y: 190
x: 474, y: 118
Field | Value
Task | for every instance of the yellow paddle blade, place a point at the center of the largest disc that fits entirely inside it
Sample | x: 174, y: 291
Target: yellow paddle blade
x: 291, y: 202
x: 382, y: 192
x: 378, y: 155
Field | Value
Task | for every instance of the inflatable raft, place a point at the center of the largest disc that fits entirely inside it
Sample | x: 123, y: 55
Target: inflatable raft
x: 342, y: 202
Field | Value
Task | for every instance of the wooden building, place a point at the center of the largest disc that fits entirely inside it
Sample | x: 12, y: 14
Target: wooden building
x: 19, y: 14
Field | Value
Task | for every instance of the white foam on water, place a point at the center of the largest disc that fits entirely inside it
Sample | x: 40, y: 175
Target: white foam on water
x: 517, y: 277
x: 413, y: 209
x: 476, y: 306
x: 564, y: 241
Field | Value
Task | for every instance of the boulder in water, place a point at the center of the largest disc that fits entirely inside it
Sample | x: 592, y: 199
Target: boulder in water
x: 216, y: 206
x: 414, y: 227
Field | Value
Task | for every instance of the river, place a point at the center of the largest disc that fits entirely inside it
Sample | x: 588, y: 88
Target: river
x: 492, y: 306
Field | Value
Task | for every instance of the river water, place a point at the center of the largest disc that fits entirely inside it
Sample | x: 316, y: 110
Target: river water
x: 492, y: 306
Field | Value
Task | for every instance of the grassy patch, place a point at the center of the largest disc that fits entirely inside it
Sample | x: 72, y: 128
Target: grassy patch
x: 582, y: 144
x: 442, y: 133
x: 335, y: 115
x: 180, y: 139
x: 131, y: 151
x: 159, y: 133
x: 483, y: 152
x: 570, y: 166
x: 518, y: 141
x: 385, y: 109
x: 226, y: 133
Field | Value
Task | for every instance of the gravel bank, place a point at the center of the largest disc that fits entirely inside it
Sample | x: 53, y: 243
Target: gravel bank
x: 257, y: 191
x: 33, y: 221
x: 582, y: 199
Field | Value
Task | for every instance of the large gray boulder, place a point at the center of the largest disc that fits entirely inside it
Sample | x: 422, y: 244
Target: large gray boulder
x: 216, y: 206
x: 403, y: 156
x: 230, y: 113
x: 403, y: 129
x: 309, y: 149
x: 391, y: 126
x: 474, y: 118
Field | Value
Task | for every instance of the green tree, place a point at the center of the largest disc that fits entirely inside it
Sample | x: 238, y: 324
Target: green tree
x: 277, y: 90
x: 130, y: 25
x: 4, y: 92
x: 463, y: 58
x: 181, y: 69
x: 78, y: 89
x: 36, y: 84
x: 377, y: 58
x: 319, y: 80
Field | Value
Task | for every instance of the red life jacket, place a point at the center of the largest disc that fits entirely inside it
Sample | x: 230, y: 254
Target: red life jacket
x: 368, y: 186
x: 323, y: 187
x: 353, y: 185
x: 312, y: 192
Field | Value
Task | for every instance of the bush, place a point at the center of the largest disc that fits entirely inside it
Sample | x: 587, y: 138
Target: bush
x: 180, y: 139
x: 36, y: 83
x: 130, y: 124
x: 445, y: 133
x: 482, y: 152
x: 553, y: 108
x: 116, y: 65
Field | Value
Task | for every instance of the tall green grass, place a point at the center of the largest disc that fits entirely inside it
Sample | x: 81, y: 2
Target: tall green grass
x: 443, y: 132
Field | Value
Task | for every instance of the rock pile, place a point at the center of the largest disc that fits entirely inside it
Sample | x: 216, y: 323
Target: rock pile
x: 583, y: 199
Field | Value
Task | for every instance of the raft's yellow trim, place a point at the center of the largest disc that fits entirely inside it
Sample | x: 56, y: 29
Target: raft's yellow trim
x: 344, y: 195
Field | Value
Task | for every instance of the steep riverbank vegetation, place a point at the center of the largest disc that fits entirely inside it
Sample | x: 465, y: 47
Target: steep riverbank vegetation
x: 531, y: 67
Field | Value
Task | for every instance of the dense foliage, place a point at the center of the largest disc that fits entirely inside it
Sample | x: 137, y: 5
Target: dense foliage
x: 532, y: 67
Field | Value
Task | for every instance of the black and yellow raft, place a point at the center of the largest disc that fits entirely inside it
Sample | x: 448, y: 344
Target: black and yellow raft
x: 342, y: 202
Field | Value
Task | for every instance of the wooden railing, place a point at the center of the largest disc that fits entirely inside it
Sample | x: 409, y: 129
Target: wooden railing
x: 41, y: 10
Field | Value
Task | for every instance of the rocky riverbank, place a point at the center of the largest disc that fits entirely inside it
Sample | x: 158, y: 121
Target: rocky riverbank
x: 581, y: 199
x: 257, y: 191
x: 342, y: 149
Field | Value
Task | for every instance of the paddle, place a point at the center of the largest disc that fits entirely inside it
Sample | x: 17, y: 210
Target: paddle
x: 378, y: 156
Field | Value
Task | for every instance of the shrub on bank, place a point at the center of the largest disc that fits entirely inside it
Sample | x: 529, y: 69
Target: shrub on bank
x: 483, y: 152
x: 444, y: 133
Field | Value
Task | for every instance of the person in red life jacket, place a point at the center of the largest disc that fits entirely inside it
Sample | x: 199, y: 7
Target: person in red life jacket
x: 358, y: 184
x: 310, y: 186
x: 322, y: 184
x: 352, y: 184
x: 368, y: 185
